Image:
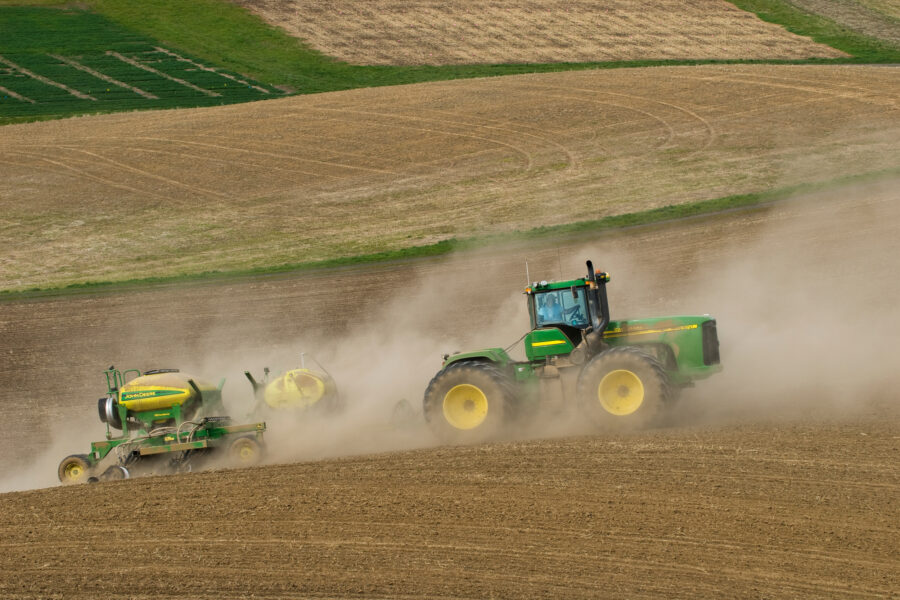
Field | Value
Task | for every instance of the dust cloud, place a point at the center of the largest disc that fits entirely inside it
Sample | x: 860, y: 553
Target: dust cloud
x: 808, y: 313
x: 41, y: 470
x: 386, y: 357
x: 804, y: 292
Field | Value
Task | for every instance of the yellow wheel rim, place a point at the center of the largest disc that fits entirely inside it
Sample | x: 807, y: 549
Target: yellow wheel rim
x: 74, y: 471
x: 246, y: 453
x: 465, y: 406
x: 620, y: 392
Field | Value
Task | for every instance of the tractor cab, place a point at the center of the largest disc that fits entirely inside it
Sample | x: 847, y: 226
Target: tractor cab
x: 565, y: 314
x: 553, y: 307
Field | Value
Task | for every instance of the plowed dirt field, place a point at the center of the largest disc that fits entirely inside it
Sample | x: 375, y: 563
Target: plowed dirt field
x: 780, y: 478
x: 762, y: 512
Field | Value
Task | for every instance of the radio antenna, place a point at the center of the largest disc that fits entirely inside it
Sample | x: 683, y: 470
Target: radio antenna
x: 527, y: 276
x: 559, y: 261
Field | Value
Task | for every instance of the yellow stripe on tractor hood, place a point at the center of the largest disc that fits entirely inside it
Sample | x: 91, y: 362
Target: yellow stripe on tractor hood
x: 549, y: 343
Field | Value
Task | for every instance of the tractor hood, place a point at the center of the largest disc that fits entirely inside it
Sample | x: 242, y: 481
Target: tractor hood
x: 691, y: 341
x: 637, y: 328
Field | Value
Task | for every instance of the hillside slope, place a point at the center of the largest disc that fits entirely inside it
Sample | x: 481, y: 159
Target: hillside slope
x: 774, y: 511
x: 257, y: 185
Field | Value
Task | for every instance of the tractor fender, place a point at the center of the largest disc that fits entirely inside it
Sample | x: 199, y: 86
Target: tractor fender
x: 497, y: 356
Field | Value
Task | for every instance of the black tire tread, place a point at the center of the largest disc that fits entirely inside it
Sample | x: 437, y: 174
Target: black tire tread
x: 583, y: 393
x: 88, y: 466
x: 490, y: 369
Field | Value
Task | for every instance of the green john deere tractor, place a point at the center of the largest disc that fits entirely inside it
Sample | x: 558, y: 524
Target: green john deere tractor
x: 618, y: 372
x: 168, y: 421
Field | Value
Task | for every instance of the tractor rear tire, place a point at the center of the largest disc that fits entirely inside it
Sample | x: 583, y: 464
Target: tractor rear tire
x: 245, y: 452
x: 74, y: 469
x: 623, y: 388
x: 468, y: 402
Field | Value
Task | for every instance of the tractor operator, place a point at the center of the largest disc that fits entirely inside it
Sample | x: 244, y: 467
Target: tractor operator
x: 551, y: 312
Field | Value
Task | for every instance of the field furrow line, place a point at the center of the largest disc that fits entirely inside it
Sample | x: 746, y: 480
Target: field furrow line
x: 143, y: 173
x: 273, y: 155
x: 13, y: 94
x: 529, y: 159
x: 415, y: 530
x: 670, y: 131
x: 572, y: 162
x: 306, y: 144
x: 47, y: 80
x: 202, y: 67
x: 158, y: 73
x: 815, y: 87
x: 77, y: 65
x: 264, y: 168
x: 84, y: 174
x: 710, y: 130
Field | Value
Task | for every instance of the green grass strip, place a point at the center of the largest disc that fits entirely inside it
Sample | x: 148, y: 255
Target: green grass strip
x: 863, y: 48
x: 593, y: 228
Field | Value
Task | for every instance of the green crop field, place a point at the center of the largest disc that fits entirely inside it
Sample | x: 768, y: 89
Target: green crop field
x: 60, y: 62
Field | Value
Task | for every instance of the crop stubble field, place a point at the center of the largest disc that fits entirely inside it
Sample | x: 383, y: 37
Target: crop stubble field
x: 134, y: 195
x: 387, y: 32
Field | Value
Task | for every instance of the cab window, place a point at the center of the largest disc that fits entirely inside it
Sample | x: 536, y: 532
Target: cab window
x: 561, y: 307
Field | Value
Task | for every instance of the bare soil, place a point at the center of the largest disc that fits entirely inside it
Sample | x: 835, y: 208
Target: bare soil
x: 126, y: 196
x: 773, y: 512
x: 387, y: 32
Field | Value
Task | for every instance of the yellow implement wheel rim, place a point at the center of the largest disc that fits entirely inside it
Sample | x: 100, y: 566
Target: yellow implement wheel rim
x: 620, y: 392
x: 465, y: 406
x: 74, y: 471
x: 246, y: 452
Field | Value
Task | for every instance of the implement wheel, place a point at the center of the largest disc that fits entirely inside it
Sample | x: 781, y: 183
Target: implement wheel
x: 115, y: 473
x: 623, y: 386
x: 245, y: 452
x: 467, y: 401
x: 74, y: 469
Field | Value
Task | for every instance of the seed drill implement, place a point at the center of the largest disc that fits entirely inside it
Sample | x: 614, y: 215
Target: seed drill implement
x: 162, y: 421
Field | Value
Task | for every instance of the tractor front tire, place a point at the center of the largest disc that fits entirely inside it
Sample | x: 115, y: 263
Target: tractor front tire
x: 468, y: 401
x: 74, y: 469
x: 623, y: 388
